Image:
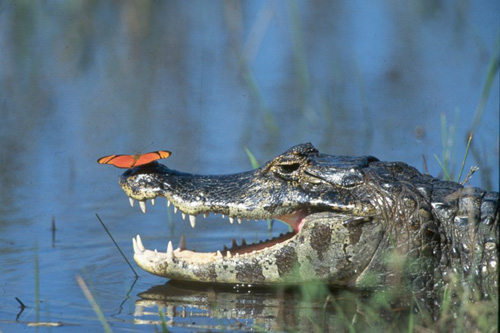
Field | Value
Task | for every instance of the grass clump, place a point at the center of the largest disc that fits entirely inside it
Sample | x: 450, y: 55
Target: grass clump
x: 395, y: 308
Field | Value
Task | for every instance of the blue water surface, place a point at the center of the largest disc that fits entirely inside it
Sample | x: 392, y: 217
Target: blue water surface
x: 205, y: 80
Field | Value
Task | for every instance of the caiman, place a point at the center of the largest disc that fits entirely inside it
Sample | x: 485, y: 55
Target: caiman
x: 352, y: 220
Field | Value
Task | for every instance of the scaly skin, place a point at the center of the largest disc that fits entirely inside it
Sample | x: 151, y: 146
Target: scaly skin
x: 352, y: 217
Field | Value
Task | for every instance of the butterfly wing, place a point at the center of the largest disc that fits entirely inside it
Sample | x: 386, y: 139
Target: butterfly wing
x: 152, y: 156
x: 130, y: 161
x: 119, y: 161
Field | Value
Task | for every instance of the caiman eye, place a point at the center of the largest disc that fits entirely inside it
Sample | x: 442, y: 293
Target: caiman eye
x: 286, y: 171
x: 289, y: 168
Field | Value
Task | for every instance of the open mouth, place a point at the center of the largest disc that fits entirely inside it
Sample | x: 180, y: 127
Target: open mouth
x: 295, y: 220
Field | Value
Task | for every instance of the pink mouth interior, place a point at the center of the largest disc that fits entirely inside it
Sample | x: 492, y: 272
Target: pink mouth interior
x: 295, y: 220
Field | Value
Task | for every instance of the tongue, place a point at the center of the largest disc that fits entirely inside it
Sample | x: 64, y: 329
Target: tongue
x: 295, y: 220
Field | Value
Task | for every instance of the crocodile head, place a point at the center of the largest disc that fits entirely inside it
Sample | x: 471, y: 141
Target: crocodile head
x: 324, y: 199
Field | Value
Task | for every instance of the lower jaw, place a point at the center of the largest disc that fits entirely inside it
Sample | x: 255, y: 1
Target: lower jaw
x: 192, y: 257
x: 181, y: 254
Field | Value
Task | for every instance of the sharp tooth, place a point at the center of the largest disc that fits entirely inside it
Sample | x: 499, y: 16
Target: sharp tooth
x: 136, y: 248
x: 237, y: 255
x: 231, y: 220
x: 175, y: 209
x: 219, y: 255
x: 223, y: 216
x: 192, y: 220
x: 239, y: 221
x: 153, y: 202
x: 131, y: 202
x: 228, y: 254
x: 168, y: 203
x: 170, y: 251
x: 205, y: 215
x: 235, y: 244
x: 183, y: 216
x: 139, y: 243
x: 243, y: 242
x: 182, y: 243
x: 143, y: 206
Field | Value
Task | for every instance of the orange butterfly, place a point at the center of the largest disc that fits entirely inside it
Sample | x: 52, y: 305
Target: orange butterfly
x: 130, y: 161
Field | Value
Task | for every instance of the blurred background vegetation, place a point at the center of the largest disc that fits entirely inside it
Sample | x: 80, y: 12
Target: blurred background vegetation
x: 81, y: 79
x: 400, y: 80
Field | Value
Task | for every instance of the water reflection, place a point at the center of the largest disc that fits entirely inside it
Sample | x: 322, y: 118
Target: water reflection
x: 243, y: 308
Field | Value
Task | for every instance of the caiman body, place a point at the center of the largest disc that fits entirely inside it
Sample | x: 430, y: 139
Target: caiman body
x: 353, y: 219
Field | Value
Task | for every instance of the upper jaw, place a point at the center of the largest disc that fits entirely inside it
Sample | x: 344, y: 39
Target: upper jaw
x: 293, y: 217
x: 195, y: 195
x: 240, y: 198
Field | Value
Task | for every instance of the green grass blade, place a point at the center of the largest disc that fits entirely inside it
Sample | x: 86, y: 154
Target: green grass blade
x: 93, y: 303
x: 299, y: 54
x: 444, y: 142
x: 253, y: 160
x: 446, y: 175
x: 465, y: 157
x: 492, y: 75
x: 164, y: 327
x: 37, y: 284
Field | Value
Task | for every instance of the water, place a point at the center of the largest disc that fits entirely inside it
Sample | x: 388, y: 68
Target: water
x: 80, y: 80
